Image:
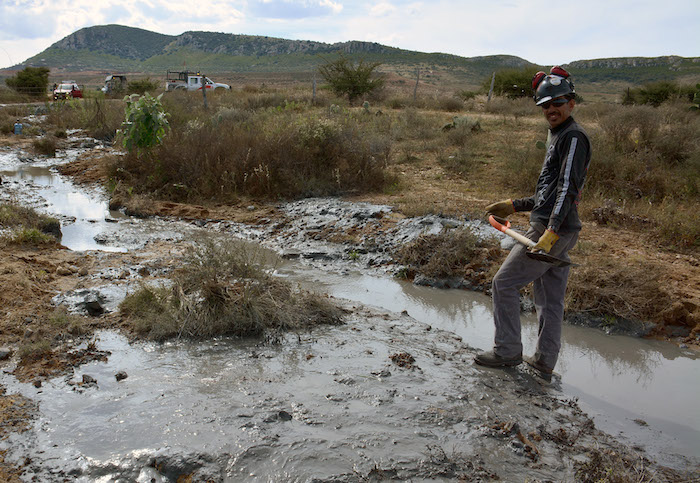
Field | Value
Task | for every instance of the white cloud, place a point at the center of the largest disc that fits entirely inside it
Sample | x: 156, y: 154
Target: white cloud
x: 381, y: 9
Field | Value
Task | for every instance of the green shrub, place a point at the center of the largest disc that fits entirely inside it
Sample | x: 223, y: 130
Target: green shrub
x: 30, y: 81
x: 512, y: 83
x: 656, y: 93
x: 346, y: 78
x: 31, y: 236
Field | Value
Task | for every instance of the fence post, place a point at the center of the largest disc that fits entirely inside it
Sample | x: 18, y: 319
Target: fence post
x: 204, y: 92
x: 493, y: 81
x: 415, y: 88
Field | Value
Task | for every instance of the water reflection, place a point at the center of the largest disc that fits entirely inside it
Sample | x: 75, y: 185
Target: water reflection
x: 83, y: 214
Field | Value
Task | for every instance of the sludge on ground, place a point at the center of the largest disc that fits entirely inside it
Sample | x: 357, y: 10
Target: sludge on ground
x: 335, y: 404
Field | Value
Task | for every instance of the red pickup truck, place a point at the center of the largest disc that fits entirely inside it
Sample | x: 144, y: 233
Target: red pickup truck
x: 67, y: 89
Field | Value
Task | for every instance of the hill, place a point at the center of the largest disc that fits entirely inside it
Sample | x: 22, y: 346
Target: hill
x: 111, y: 48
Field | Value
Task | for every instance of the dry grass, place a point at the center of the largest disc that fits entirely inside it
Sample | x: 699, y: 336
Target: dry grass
x: 453, y: 253
x: 223, y: 288
x: 273, y: 153
x: 27, y: 226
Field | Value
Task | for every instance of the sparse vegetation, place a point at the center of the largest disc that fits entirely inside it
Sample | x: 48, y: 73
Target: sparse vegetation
x: 224, y: 288
x: 27, y: 226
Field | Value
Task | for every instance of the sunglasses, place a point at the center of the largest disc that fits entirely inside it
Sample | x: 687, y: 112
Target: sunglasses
x: 555, y: 102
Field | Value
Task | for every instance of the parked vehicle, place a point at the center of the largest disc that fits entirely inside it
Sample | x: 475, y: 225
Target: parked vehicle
x: 67, y: 89
x: 114, y: 84
x: 191, y: 81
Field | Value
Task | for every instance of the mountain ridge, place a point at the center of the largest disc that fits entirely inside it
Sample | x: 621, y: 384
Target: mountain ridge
x: 117, y: 47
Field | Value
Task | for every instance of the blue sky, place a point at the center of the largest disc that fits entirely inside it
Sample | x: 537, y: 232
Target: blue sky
x: 542, y: 32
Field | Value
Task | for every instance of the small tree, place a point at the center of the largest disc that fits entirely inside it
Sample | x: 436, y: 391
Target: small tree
x: 145, y: 124
x: 32, y: 81
x: 512, y: 83
x: 348, y: 79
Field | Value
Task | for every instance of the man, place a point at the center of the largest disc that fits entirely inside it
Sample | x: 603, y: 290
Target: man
x: 554, y: 225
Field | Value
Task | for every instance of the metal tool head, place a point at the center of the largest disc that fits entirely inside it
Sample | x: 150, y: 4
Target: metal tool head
x: 552, y: 260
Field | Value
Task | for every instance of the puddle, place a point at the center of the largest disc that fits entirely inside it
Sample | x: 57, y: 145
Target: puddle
x: 87, y: 223
x: 623, y: 382
x: 226, y: 403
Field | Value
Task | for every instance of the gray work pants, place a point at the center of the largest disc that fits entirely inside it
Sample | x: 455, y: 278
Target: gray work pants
x: 549, y: 287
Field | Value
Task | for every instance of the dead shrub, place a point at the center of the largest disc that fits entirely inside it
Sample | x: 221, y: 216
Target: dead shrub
x: 511, y: 107
x: 45, y: 145
x: 457, y: 252
x: 450, y: 104
x: 274, y: 154
x: 460, y: 162
x: 625, y: 288
x: 608, y: 466
x: 224, y: 288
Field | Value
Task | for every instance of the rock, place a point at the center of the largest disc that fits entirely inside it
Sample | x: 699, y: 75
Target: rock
x: 89, y: 380
x: 51, y: 227
x: 94, y: 307
x: 83, y: 271
x: 284, y: 416
x: 63, y: 270
x: 121, y: 375
x: 37, y: 383
x: 144, y: 271
x: 5, y: 353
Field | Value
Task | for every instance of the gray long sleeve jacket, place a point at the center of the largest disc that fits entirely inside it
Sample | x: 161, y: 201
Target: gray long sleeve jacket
x: 559, y: 187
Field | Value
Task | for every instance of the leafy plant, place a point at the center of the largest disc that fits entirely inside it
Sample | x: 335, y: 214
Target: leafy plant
x: 146, y: 122
x: 348, y: 79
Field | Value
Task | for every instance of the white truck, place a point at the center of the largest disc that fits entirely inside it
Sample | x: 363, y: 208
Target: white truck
x: 191, y: 81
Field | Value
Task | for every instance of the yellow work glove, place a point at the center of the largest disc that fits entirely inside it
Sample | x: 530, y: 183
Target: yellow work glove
x: 546, y: 241
x: 501, y: 208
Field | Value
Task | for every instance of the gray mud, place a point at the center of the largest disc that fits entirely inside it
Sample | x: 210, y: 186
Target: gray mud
x: 393, y: 394
x: 326, y: 406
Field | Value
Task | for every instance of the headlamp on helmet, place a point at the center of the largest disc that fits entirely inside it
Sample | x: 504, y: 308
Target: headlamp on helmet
x: 556, y: 84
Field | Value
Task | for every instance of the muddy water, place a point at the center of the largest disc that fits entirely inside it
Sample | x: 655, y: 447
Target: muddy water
x: 645, y: 392
x: 328, y: 404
